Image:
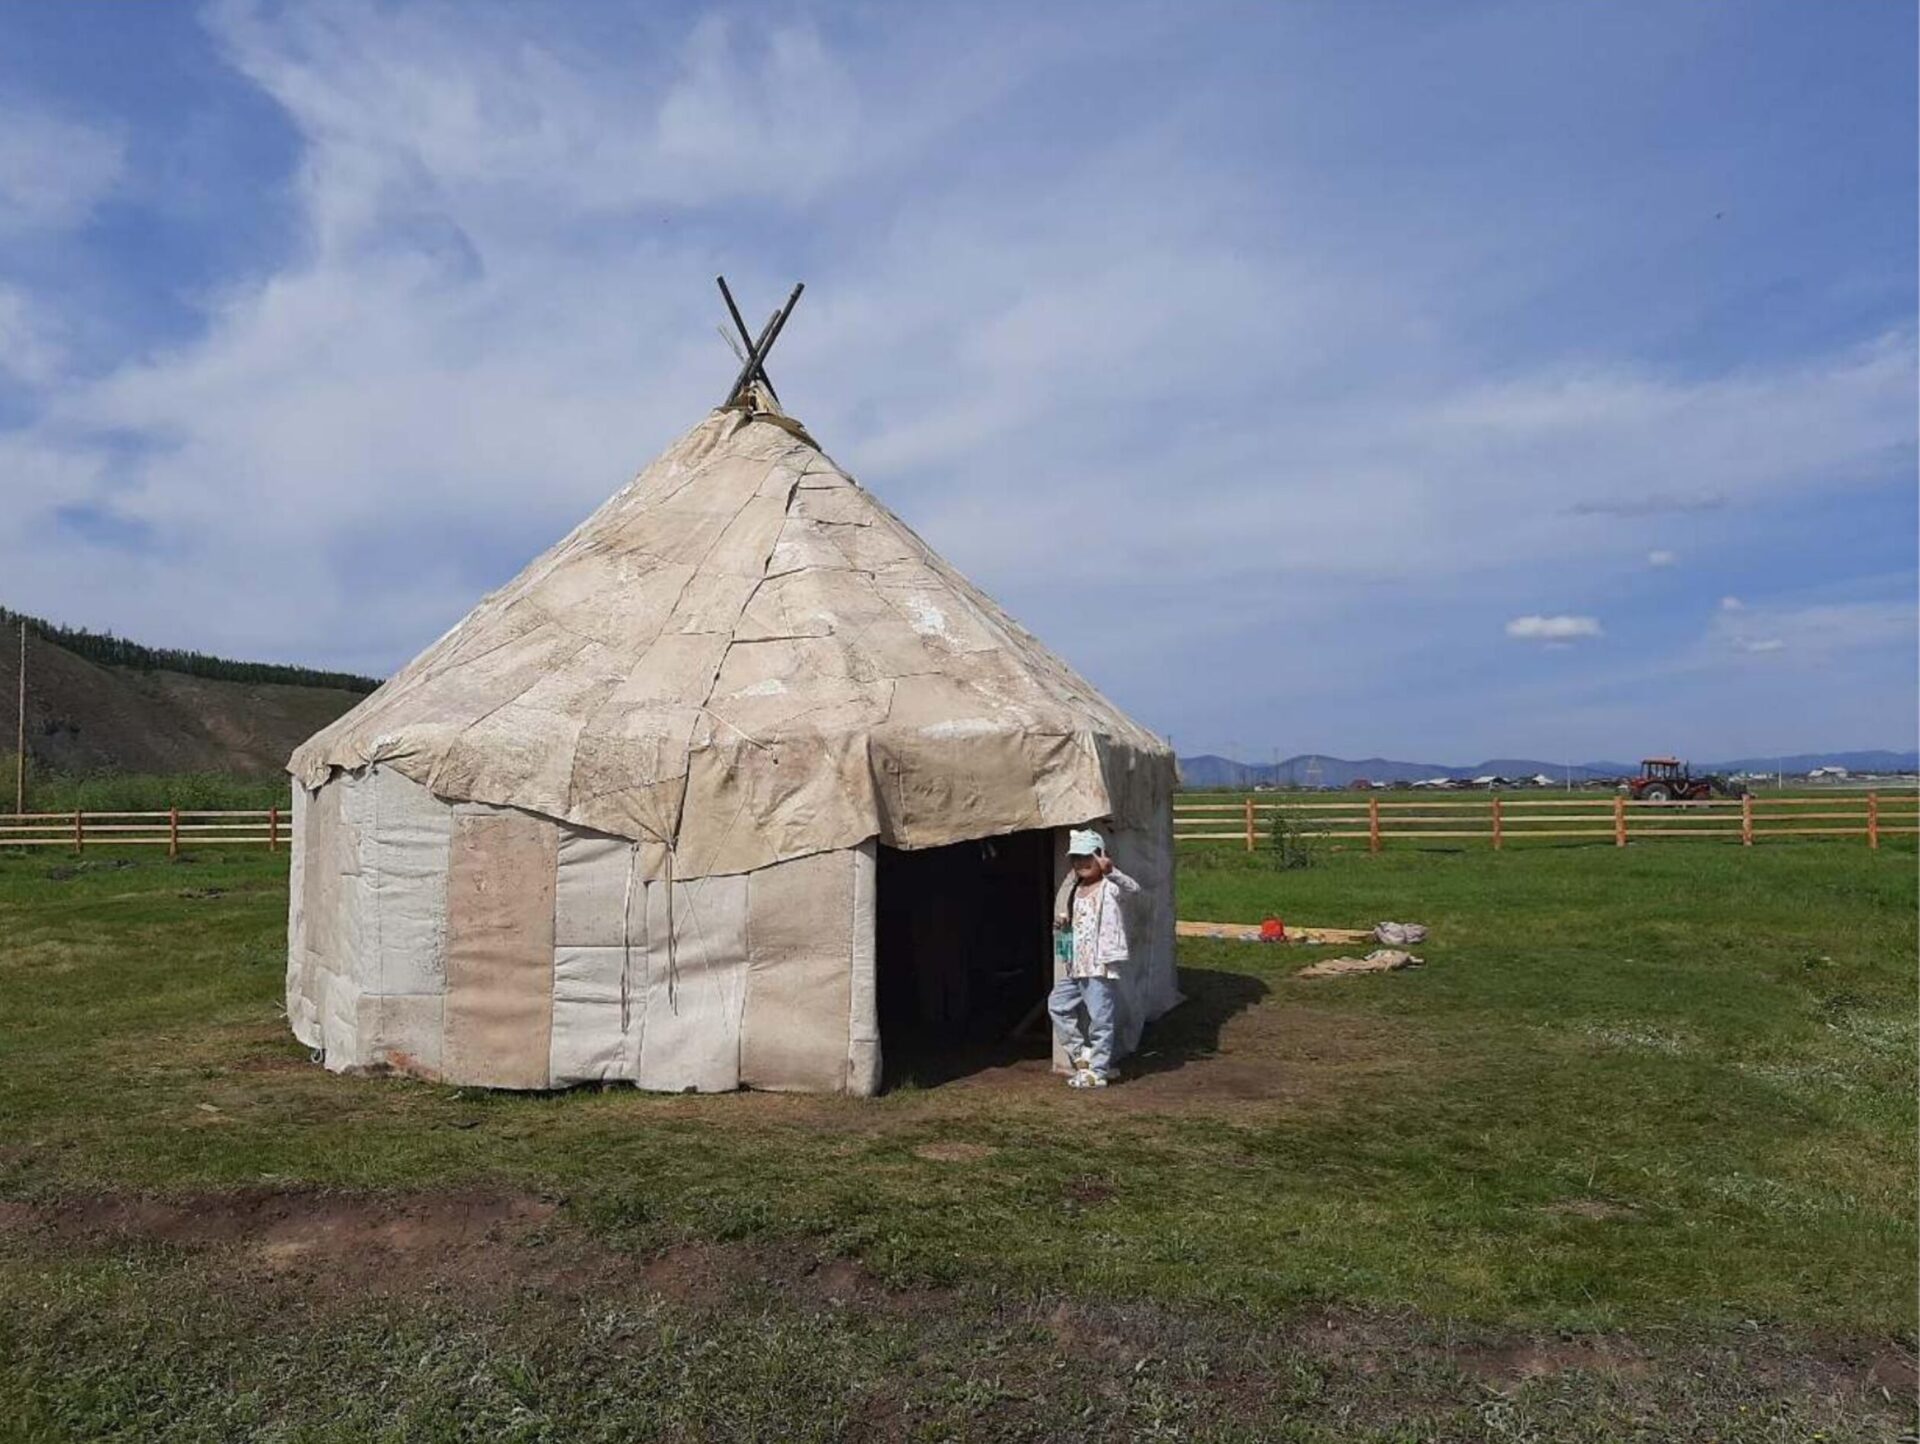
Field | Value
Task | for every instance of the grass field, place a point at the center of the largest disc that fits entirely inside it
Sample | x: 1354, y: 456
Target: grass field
x: 1632, y: 1156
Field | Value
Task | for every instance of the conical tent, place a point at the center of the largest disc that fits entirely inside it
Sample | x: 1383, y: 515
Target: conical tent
x: 629, y: 819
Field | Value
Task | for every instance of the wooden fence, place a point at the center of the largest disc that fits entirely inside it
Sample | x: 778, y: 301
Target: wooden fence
x: 170, y: 829
x: 1496, y: 819
x: 1504, y: 820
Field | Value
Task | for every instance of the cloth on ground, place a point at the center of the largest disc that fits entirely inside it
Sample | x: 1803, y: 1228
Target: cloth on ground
x: 1399, y: 935
x: 1380, y: 960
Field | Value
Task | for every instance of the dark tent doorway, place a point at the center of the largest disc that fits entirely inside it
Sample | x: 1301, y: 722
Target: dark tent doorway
x: 963, y: 953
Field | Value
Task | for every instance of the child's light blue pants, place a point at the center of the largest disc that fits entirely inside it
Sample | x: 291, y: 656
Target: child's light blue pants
x: 1070, y: 998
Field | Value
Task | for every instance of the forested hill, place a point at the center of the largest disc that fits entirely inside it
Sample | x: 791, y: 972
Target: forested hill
x: 111, y: 651
x: 98, y: 703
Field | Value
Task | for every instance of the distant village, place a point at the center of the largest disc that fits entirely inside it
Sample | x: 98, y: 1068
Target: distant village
x: 1494, y: 782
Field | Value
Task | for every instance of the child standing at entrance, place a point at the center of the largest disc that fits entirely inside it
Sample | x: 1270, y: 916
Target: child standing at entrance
x: 1089, y: 911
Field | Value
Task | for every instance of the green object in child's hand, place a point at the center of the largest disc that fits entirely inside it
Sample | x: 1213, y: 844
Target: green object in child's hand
x: 1063, y: 945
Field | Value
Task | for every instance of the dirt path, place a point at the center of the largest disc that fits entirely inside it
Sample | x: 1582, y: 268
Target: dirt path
x: 480, y: 1247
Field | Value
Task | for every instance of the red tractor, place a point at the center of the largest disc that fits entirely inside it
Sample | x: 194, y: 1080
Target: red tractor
x: 1668, y: 779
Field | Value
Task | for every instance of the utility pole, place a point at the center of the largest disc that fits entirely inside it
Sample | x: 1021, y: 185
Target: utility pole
x: 20, y: 732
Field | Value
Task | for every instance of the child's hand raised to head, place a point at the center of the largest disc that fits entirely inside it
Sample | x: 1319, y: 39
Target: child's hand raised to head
x: 1105, y: 862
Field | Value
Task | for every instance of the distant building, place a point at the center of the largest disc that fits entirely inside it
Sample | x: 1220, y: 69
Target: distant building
x: 1828, y: 774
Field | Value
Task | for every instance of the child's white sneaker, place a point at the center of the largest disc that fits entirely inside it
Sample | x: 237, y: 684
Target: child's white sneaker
x: 1086, y: 1078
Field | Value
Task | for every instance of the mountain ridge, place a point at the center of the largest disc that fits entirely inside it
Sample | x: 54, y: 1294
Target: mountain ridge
x: 88, y: 714
x: 1212, y: 770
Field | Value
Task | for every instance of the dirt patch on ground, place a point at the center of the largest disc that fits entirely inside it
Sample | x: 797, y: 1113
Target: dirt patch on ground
x: 1267, y: 1056
x: 1503, y: 1364
x: 1598, y: 1209
x: 1875, y: 1373
x: 954, y: 1152
x: 1087, y: 1191
x: 345, y: 1243
x: 288, y: 1061
x: 692, y: 1273
x: 339, y: 1249
x: 1231, y: 1051
x: 326, y: 1245
x: 1895, y: 1371
x: 1234, y: 1049
x: 46, y: 956
x: 710, y: 1276
x: 15, y: 1217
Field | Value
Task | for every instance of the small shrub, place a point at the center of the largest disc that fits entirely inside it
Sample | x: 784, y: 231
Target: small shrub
x: 1289, y: 843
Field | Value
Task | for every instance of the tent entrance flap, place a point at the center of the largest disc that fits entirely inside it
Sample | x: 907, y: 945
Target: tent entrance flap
x: 963, y: 951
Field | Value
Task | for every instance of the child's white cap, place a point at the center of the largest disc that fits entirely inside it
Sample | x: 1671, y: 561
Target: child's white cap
x: 1084, y: 842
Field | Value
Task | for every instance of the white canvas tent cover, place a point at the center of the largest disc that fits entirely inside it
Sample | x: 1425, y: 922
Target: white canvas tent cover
x: 745, y: 657
x: 620, y: 822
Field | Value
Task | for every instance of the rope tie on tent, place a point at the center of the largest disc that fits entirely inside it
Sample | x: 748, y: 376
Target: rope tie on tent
x: 626, y: 941
x: 673, y: 960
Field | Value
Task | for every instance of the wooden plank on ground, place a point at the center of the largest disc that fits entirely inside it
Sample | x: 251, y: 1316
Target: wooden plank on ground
x: 1250, y: 933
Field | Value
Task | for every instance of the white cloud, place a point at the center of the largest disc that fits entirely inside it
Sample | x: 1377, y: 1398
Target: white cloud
x: 29, y: 349
x: 1819, y: 633
x: 1553, y: 629
x: 509, y: 128
x: 1662, y: 558
x: 1732, y: 604
x: 53, y: 171
x: 498, y: 303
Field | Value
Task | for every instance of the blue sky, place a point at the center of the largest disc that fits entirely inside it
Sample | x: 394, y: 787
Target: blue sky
x: 1441, y: 381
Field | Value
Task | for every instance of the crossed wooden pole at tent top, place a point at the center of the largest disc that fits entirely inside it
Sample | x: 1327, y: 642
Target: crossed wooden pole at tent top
x: 754, y: 366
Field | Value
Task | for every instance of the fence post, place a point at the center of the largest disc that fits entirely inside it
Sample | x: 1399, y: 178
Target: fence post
x: 1746, y: 819
x: 1496, y: 822
x: 1619, y: 821
x: 1249, y: 824
x: 1373, y: 824
x: 273, y: 829
x: 1873, y: 820
x: 79, y: 833
x: 173, y: 832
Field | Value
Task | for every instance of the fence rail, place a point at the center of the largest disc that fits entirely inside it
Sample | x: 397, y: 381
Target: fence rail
x: 170, y: 829
x: 1498, y: 820
x: 1503, y: 820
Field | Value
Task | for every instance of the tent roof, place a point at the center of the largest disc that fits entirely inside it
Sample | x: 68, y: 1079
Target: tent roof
x: 745, y: 655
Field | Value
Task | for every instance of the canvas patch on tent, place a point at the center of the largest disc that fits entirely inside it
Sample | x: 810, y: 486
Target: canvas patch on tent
x: 499, y: 1004
x: 795, y: 1032
x: 696, y: 967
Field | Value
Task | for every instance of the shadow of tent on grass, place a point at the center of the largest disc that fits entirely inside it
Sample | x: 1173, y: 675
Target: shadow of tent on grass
x: 927, y: 1064
x: 1191, y: 1032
